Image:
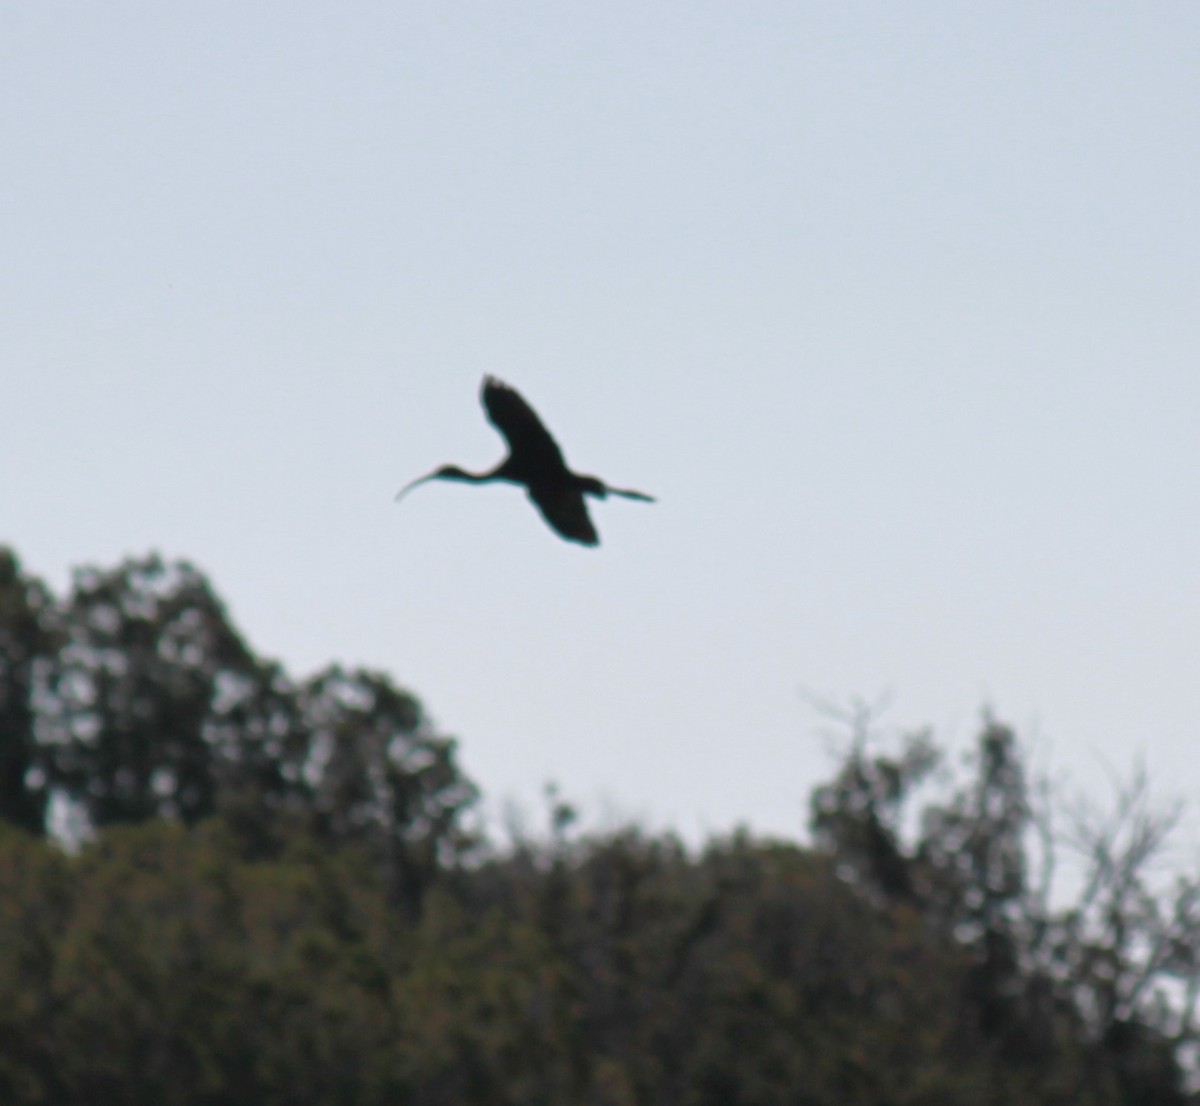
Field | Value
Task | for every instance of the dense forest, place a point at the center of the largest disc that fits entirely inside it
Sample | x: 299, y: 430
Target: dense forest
x: 222, y: 884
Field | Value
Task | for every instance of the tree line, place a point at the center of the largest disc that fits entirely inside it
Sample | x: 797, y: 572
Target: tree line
x: 134, y: 698
x: 220, y: 883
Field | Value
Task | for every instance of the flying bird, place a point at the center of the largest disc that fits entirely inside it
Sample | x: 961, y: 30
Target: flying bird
x: 535, y: 462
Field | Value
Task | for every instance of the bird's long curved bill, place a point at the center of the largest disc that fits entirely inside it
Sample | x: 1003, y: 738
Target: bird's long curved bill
x: 409, y: 487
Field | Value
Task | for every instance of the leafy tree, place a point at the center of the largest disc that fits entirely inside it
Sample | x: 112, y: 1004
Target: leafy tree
x: 380, y: 777
x: 162, y: 964
x: 748, y: 974
x: 155, y: 707
x: 149, y: 651
x: 36, y: 900
x: 175, y: 972
x: 280, y: 901
x: 1102, y: 989
x: 28, y: 642
x: 1129, y: 942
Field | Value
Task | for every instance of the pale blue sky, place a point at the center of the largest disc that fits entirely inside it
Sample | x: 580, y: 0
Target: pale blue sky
x: 894, y: 306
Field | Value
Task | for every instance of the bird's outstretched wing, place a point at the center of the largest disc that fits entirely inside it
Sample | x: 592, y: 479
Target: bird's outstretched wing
x: 529, y: 441
x: 565, y: 510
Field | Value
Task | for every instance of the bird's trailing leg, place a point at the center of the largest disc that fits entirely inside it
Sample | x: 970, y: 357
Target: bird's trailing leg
x: 593, y: 485
x: 632, y: 495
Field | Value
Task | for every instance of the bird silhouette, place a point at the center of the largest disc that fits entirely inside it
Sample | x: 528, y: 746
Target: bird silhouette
x: 535, y: 462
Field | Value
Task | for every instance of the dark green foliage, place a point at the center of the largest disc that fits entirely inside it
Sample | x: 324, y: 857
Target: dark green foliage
x: 136, y: 698
x: 163, y: 965
x: 143, y: 673
x: 1101, y: 989
x: 276, y: 902
x: 171, y: 971
x: 379, y: 778
x: 28, y: 639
